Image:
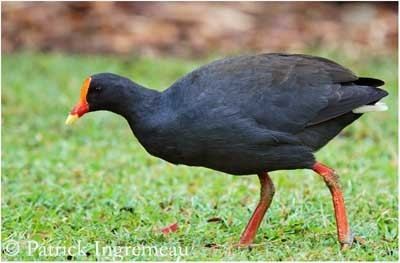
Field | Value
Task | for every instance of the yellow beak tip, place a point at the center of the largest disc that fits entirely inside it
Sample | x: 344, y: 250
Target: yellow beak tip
x: 71, y: 119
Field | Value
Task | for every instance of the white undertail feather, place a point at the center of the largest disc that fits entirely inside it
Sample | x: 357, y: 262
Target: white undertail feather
x: 379, y: 106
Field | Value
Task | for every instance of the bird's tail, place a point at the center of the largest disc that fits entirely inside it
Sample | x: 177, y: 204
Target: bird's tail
x: 379, y: 106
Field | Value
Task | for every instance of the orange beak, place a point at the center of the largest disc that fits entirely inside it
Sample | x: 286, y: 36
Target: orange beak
x: 82, y: 106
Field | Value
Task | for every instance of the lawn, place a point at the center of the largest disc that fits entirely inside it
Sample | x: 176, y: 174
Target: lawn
x: 93, y: 185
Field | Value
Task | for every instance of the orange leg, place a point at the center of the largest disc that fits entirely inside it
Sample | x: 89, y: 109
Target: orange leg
x: 332, y: 181
x: 266, y: 194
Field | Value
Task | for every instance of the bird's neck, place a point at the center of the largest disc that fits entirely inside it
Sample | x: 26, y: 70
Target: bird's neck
x: 139, y: 105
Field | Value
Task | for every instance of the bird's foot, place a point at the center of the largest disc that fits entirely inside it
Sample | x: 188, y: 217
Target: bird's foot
x: 241, y: 245
x: 344, y: 246
x: 247, y: 245
x: 348, y: 242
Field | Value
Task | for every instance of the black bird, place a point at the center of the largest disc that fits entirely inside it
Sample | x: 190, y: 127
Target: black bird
x: 244, y: 115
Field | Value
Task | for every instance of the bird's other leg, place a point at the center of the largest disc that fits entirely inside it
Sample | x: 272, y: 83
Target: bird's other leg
x: 332, y: 181
x: 266, y: 194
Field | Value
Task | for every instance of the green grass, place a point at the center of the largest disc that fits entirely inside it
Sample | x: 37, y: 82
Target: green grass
x: 94, y: 182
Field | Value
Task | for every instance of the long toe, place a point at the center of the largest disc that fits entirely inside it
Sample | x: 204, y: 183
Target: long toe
x: 242, y: 245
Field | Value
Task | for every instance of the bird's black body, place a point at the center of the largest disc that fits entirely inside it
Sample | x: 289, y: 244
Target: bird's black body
x: 242, y: 115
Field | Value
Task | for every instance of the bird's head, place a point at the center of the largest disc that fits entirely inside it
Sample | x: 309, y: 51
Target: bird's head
x: 102, y: 91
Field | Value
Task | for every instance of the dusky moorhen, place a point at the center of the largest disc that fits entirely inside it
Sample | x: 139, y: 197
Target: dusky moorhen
x: 244, y: 115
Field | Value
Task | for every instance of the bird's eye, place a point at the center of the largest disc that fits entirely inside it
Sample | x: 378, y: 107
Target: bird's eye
x: 97, y: 88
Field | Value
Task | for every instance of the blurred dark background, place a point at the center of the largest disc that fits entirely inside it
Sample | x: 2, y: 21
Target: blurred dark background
x: 194, y: 29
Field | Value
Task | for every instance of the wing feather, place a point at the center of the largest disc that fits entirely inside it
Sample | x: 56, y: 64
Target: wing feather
x: 281, y: 92
x: 344, y: 99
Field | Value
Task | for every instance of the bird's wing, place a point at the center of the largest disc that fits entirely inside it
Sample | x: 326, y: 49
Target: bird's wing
x: 344, y: 98
x: 281, y: 92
